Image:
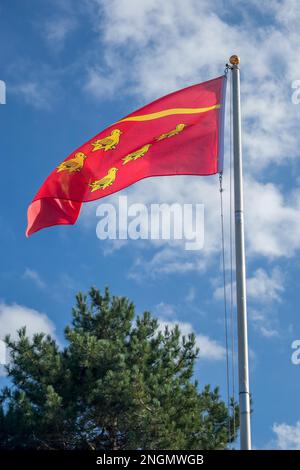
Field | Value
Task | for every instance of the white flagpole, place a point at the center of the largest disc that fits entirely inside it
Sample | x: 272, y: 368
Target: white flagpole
x: 244, y: 392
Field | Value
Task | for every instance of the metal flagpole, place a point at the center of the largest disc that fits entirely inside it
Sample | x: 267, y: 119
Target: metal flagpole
x: 244, y: 392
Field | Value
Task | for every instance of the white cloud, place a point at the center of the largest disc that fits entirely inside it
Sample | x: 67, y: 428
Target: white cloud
x: 210, y: 349
x: 64, y: 17
x: 99, y: 84
x: 14, y: 316
x: 191, y: 295
x: 166, y: 261
x: 265, y: 321
x: 287, y: 436
x: 35, y: 93
x: 32, y: 275
x: 269, y: 332
x: 272, y: 220
x: 57, y: 29
x: 3, y: 355
x: 164, y: 310
x: 262, y: 288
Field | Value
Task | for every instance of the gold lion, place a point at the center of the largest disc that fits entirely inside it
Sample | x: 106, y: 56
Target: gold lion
x: 73, y: 164
x: 107, y: 143
x: 104, y: 182
x: 137, y: 154
x: 179, y: 128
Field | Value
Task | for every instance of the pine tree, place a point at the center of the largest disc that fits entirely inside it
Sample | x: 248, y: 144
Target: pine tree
x: 119, y: 383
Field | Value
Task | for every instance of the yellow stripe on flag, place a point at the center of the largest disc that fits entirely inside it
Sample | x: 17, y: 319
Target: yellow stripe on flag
x: 169, y: 112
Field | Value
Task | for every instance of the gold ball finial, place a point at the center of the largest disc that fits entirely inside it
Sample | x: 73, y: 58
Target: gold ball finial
x: 234, y: 60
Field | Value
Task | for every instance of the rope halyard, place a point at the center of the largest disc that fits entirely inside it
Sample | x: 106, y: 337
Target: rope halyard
x: 225, y: 303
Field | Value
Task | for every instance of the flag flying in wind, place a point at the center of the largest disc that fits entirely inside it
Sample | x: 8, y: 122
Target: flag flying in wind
x: 178, y: 134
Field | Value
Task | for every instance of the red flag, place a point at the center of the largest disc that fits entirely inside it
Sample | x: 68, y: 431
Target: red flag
x: 178, y: 134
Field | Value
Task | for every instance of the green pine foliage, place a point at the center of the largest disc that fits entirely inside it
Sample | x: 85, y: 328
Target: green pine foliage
x: 120, y: 383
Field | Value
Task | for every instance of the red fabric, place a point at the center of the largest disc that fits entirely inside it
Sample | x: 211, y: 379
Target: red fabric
x: 196, y: 150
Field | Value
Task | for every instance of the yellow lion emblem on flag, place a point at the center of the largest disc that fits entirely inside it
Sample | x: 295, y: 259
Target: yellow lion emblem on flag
x: 179, y: 128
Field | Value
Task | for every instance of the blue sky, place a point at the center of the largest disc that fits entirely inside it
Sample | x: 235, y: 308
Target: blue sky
x: 73, y: 68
